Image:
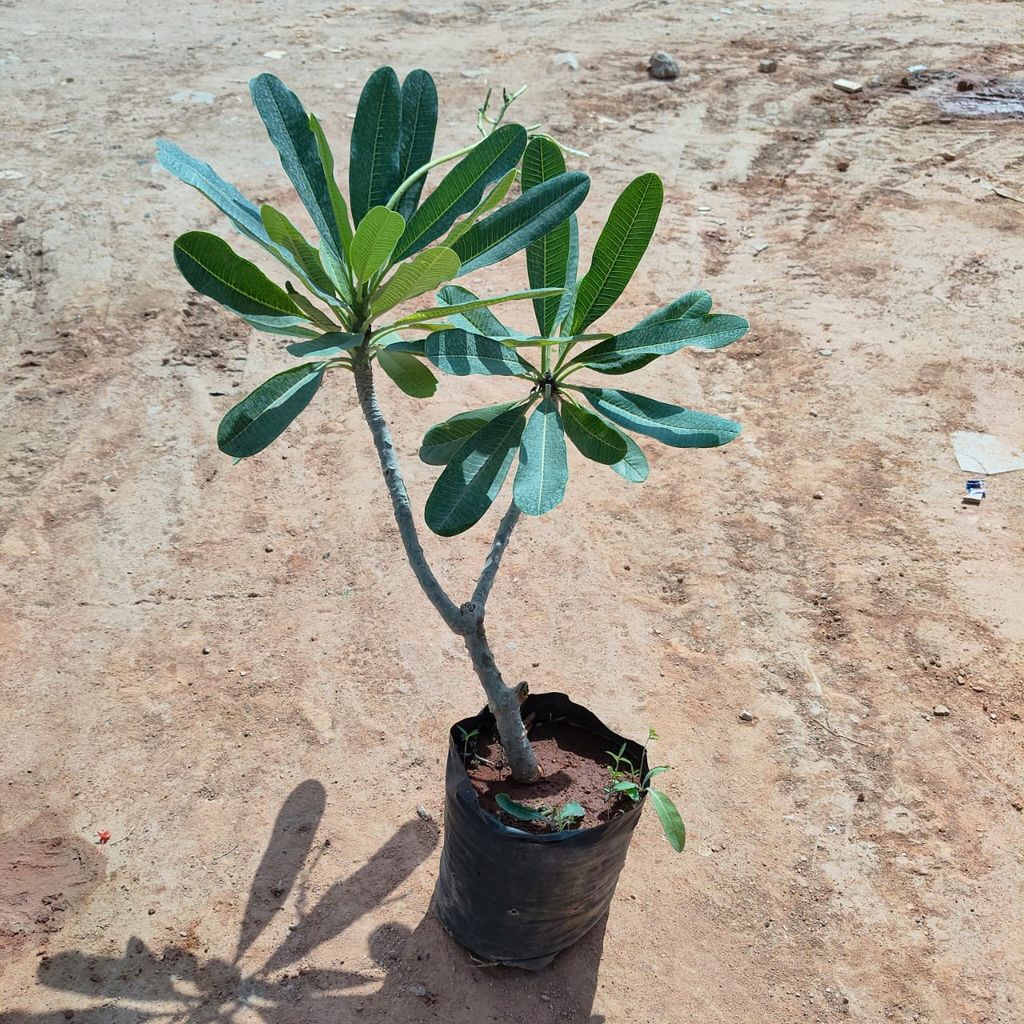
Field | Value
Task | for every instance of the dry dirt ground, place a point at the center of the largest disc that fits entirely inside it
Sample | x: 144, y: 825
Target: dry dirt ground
x: 851, y: 855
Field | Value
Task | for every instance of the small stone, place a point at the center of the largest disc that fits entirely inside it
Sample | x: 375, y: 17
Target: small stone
x: 545, y: 997
x: 940, y: 711
x: 473, y: 72
x: 746, y: 716
x: 151, y: 911
x: 569, y: 60
x: 418, y: 990
x: 842, y: 165
x: 767, y: 66
x: 206, y: 650
x: 663, y: 66
x: 1017, y: 805
x: 964, y: 85
x: 268, y: 548
x: 948, y: 157
x: 860, y: 798
x: 424, y: 813
x: 818, y: 495
x: 848, y: 85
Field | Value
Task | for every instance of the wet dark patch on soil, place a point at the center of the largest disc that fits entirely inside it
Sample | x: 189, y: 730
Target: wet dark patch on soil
x: 574, y: 764
x: 998, y: 98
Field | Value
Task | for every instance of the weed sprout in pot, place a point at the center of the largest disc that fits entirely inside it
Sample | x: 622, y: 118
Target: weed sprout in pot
x: 541, y: 797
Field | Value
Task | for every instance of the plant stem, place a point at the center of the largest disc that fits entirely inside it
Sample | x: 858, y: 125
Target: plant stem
x: 468, y: 620
x: 420, y: 172
x: 400, y: 503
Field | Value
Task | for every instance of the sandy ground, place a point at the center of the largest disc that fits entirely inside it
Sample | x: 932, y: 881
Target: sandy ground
x: 851, y: 854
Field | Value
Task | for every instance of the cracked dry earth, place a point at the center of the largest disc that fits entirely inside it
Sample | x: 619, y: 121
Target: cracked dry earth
x: 851, y: 855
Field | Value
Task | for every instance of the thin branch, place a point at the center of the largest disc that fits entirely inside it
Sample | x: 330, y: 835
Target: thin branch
x: 446, y: 607
x: 493, y: 560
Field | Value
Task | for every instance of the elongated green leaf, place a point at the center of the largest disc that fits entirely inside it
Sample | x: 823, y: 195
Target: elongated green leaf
x: 286, y: 326
x: 471, y: 480
x: 547, y: 259
x: 470, y: 304
x: 326, y: 346
x: 670, y: 424
x: 374, y: 241
x: 489, y: 202
x: 522, y: 221
x: 311, y: 311
x: 421, y: 274
x: 633, y: 465
x: 543, y: 466
x: 287, y: 125
x: 338, y: 204
x: 408, y: 373
x: 416, y: 137
x: 462, y: 354
x: 637, y: 347
x: 395, y: 342
x: 476, y: 321
x: 517, y: 810
x: 592, y: 436
x: 285, y: 234
x: 462, y: 187
x: 619, y: 248
x: 373, y: 167
x: 692, y: 304
x: 567, y: 303
x: 671, y: 822
x: 443, y: 440
x: 337, y: 270
x: 261, y: 416
x: 212, y: 267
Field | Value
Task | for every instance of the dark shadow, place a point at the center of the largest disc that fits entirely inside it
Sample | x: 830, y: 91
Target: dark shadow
x: 427, y: 976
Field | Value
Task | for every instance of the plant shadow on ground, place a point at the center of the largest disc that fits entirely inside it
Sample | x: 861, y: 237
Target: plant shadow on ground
x: 427, y: 976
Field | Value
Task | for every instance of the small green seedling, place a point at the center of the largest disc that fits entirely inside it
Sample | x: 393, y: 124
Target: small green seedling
x: 627, y: 782
x: 466, y: 737
x: 558, y: 819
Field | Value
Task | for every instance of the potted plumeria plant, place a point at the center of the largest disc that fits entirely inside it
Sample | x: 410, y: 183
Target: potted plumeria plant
x: 542, y: 798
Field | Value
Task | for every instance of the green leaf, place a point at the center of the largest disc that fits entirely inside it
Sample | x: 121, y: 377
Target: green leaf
x: 633, y: 466
x: 240, y: 211
x: 312, y: 312
x: 373, y: 167
x: 285, y: 234
x: 471, y: 480
x: 671, y: 822
x: 337, y: 270
x: 635, y: 348
x: 570, y: 812
x: 477, y: 321
x: 286, y: 326
x: 517, y: 810
x: 654, y: 773
x: 287, y: 125
x: 692, y: 304
x: 338, y: 204
x: 443, y: 440
x: 326, y: 346
x: 489, y: 202
x: 619, y: 248
x: 547, y: 259
x: 421, y: 274
x: 543, y: 467
x: 374, y: 241
x: 592, y: 436
x: 397, y: 343
x: 475, y: 303
x: 261, y: 416
x: 461, y: 353
x: 462, y: 187
x: 628, y: 788
x: 212, y: 267
x: 670, y: 424
x: 522, y: 221
x: 416, y: 136
x: 408, y: 373
x: 567, y: 303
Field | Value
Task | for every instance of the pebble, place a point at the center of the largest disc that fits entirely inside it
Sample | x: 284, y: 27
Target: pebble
x: 418, y: 990
x: 206, y: 650
x: 268, y: 548
x: 767, y: 67
x: 569, y: 59
x: 842, y: 165
x: 848, y: 85
x: 940, y: 711
x: 824, y: 351
x: 746, y: 716
x: 424, y: 813
x: 663, y: 66
x: 473, y: 72
x: 818, y: 495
